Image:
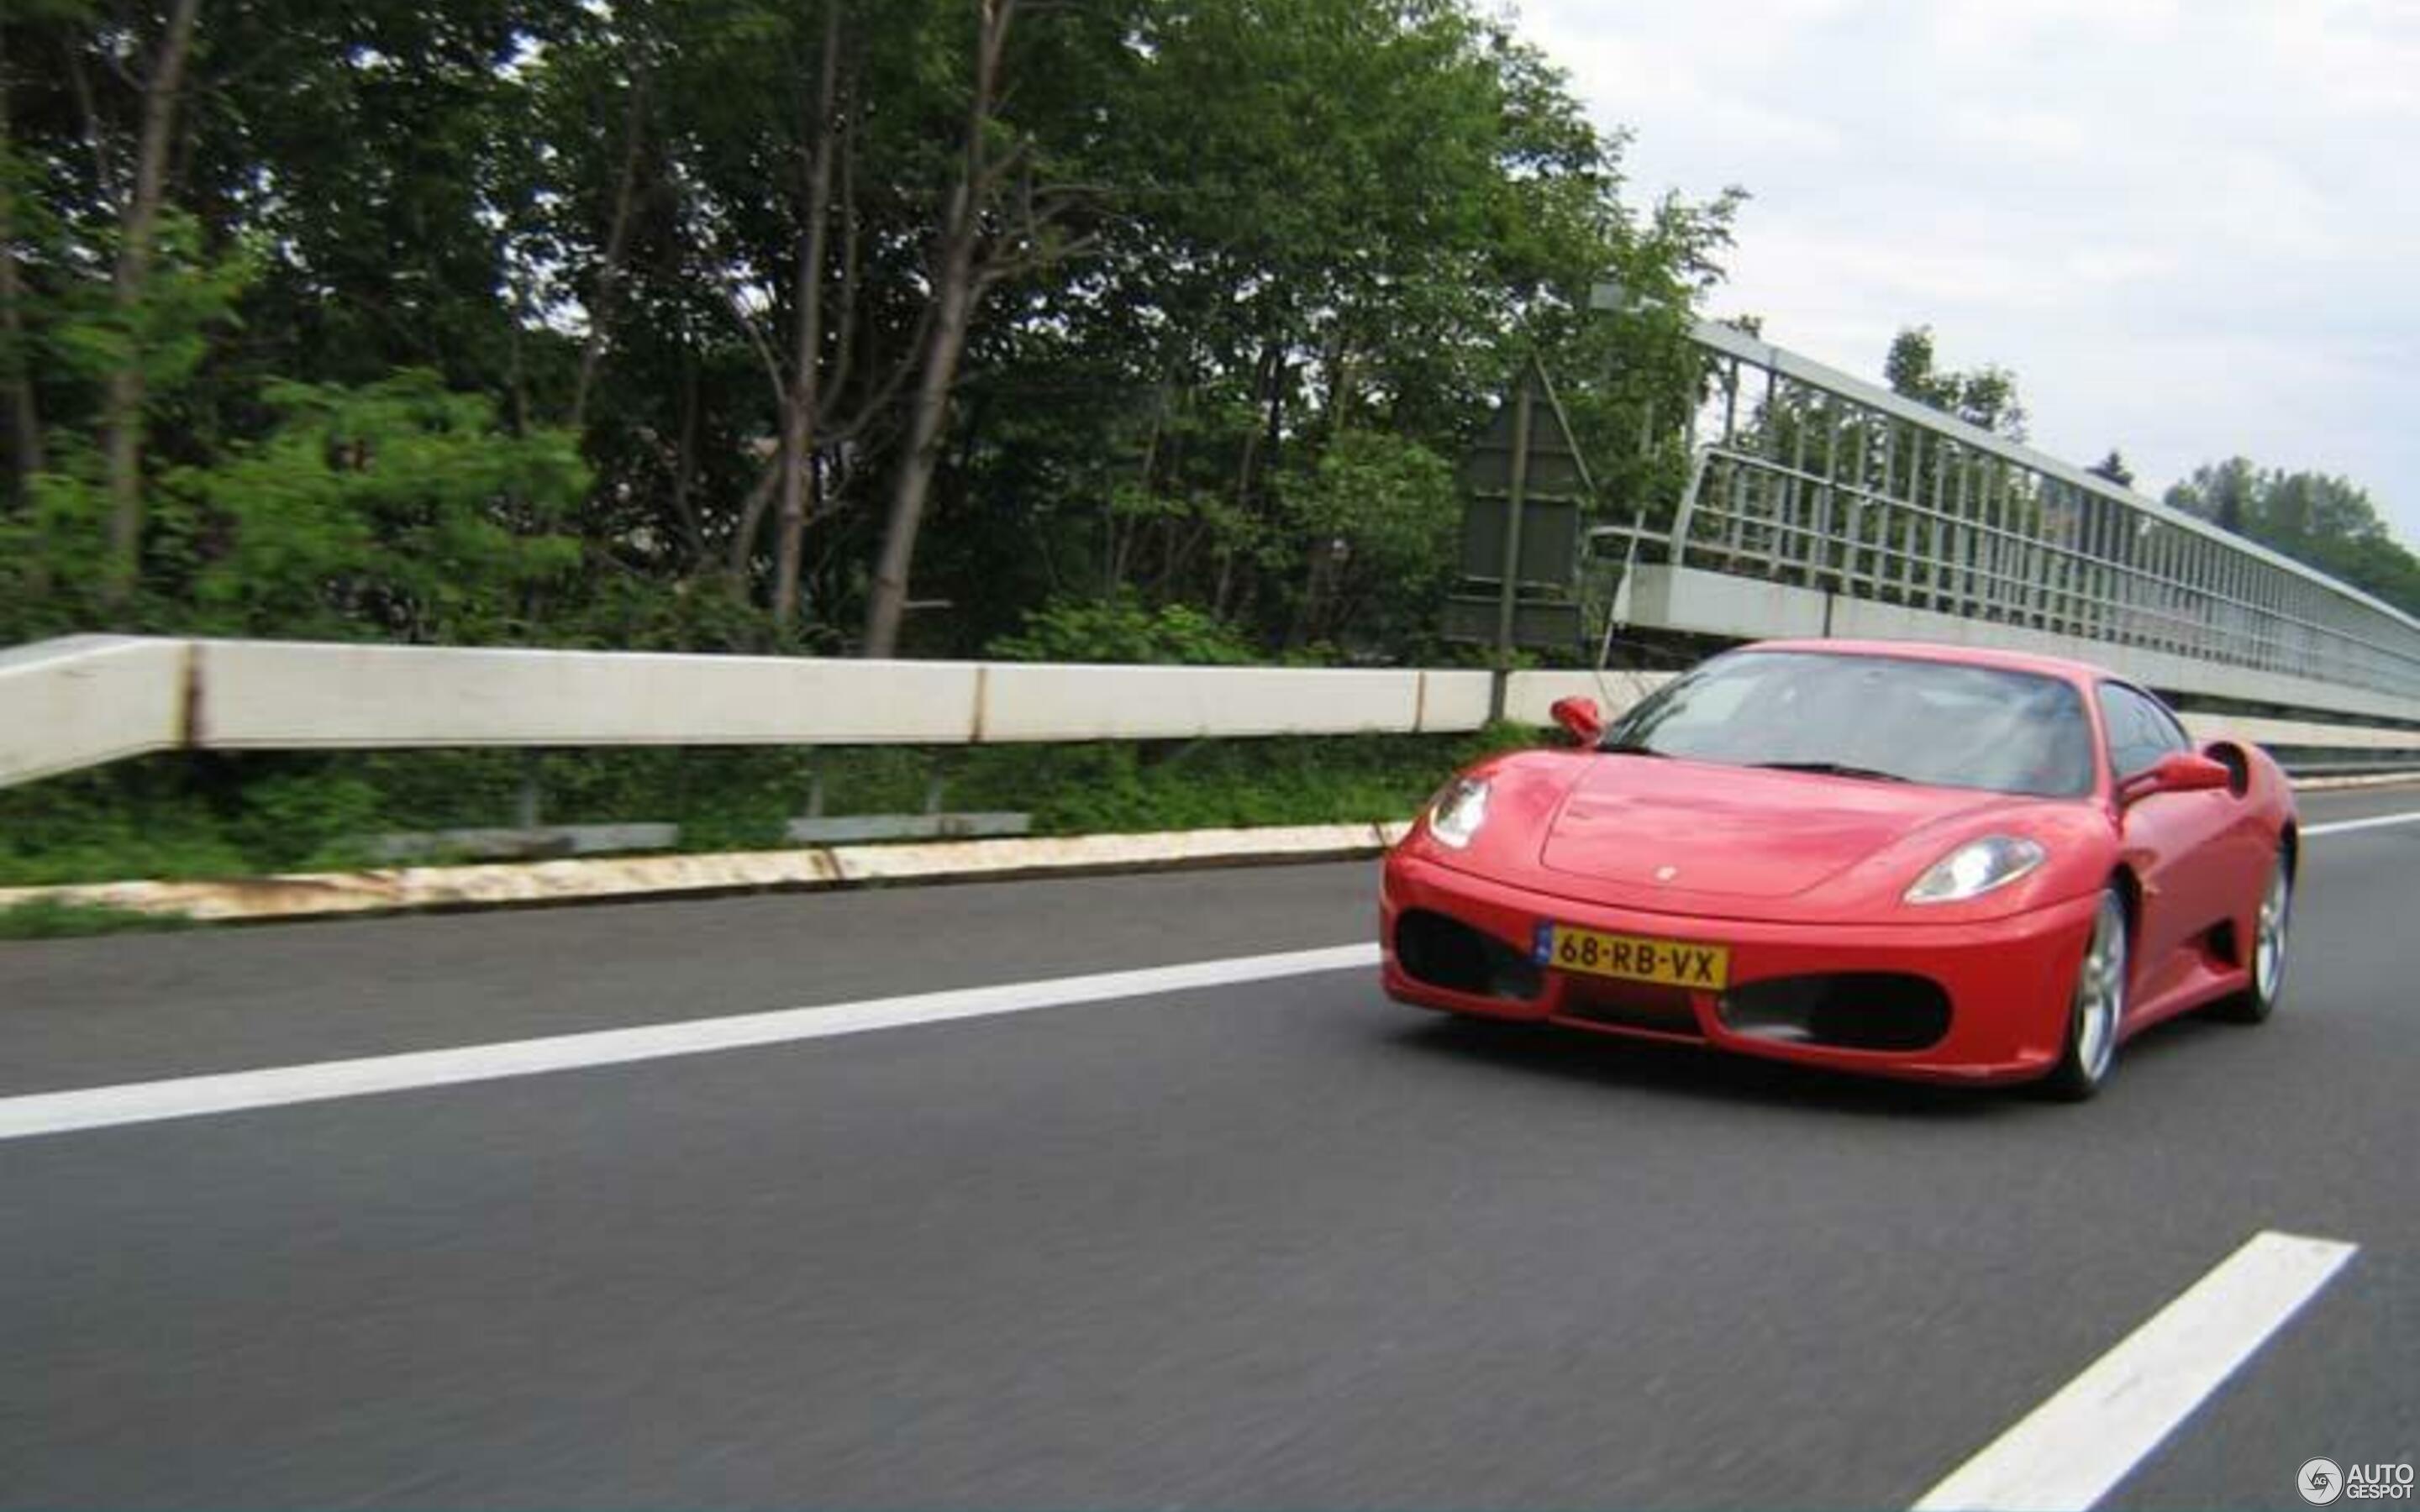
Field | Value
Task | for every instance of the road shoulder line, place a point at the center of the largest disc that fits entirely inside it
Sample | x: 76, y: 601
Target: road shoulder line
x: 99, y: 1107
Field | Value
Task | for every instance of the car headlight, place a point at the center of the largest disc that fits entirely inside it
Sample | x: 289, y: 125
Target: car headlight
x: 1977, y: 868
x: 1458, y: 811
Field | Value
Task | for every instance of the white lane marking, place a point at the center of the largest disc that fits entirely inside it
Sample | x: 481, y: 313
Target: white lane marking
x: 2071, y: 1450
x: 46, y: 1113
x: 2377, y: 822
x: 185, y: 1097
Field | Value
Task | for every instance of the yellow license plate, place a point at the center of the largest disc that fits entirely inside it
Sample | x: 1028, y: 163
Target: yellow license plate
x: 1633, y: 958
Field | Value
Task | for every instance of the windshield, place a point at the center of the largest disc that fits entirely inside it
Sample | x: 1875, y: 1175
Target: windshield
x: 1882, y: 717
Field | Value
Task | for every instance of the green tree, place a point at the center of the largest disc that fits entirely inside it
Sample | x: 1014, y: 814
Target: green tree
x: 1326, y: 219
x: 1985, y: 397
x: 1005, y: 300
x: 2114, y: 467
x: 399, y: 510
x: 2326, y: 521
x: 1380, y: 512
x: 1119, y: 629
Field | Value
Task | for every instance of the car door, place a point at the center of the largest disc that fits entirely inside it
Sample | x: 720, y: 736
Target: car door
x: 2170, y: 840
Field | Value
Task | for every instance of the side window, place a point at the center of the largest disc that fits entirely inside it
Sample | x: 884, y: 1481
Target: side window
x: 2140, y: 731
x: 2164, y: 719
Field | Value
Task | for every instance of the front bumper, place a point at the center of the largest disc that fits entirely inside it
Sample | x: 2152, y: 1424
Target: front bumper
x: 2007, y: 982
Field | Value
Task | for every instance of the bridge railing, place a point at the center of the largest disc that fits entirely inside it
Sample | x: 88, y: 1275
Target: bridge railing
x: 1805, y: 476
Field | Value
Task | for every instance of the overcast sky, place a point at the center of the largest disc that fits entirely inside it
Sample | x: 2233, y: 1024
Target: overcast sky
x: 2189, y: 226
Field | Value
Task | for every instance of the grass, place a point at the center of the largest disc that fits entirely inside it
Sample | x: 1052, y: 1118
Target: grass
x: 48, y: 918
x: 196, y: 816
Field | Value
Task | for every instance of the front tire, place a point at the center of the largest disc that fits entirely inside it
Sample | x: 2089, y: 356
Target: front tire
x: 2267, y: 967
x: 2096, y: 1007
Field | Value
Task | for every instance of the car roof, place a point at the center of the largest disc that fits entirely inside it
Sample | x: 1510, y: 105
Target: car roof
x: 2018, y: 661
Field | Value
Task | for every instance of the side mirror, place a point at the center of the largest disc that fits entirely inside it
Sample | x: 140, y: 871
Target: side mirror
x: 2177, y: 772
x: 1579, y: 715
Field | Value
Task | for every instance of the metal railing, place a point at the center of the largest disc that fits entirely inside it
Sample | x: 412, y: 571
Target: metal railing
x: 1806, y: 476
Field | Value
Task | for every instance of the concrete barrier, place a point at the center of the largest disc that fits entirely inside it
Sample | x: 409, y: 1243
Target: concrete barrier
x: 1035, y: 701
x: 86, y: 699
x: 258, y: 695
x: 81, y: 701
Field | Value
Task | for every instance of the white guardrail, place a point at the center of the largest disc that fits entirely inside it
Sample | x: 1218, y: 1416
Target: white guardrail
x: 88, y: 700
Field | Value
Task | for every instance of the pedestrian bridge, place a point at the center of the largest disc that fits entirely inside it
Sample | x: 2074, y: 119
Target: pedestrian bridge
x: 1816, y: 504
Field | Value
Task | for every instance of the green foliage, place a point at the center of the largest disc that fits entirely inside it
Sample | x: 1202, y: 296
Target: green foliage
x: 2328, y: 522
x: 1390, y: 498
x: 1379, y: 512
x: 299, y: 818
x: 1123, y: 629
x: 190, y: 299
x: 395, y: 509
x: 1132, y: 787
x: 169, y: 817
x: 1110, y: 788
x: 1343, y: 226
x: 1986, y: 397
x: 476, y: 319
x: 159, y: 817
x: 50, y: 553
x: 2114, y: 467
x: 48, y: 918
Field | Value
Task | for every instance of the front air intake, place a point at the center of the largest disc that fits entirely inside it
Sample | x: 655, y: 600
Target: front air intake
x: 1849, y: 1010
x: 1444, y: 952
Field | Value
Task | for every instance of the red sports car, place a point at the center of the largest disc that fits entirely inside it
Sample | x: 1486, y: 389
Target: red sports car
x: 1919, y: 861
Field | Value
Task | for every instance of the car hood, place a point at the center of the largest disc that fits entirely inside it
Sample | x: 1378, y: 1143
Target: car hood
x: 1670, y: 825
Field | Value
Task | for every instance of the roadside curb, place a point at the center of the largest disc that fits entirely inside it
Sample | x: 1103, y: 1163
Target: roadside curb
x: 808, y: 868
x: 805, y: 868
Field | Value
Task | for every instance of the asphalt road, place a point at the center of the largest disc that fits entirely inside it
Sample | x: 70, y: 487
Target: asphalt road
x: 1271, y: 1245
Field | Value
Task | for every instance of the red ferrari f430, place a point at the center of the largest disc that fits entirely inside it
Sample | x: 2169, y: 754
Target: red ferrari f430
x: 1915, y: 862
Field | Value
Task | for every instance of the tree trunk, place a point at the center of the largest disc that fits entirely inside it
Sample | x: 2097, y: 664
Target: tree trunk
x: 1340, y: 383
x: 954, y: 298
x: 751, y: 515
x: 24, y: 418
x: 1248, y: 466
x: 685, y: 468
x: 927, y: 416
x: 1116, y: 533
x: 806, y: 365
x: 122, y: 415
x: 617, y: 242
